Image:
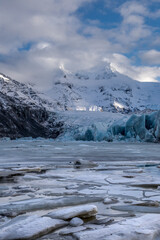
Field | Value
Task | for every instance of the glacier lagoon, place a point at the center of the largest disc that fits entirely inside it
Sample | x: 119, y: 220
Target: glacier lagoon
x: 43, y: 178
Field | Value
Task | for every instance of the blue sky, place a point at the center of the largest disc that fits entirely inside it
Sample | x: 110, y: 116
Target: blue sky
x: 38, y: 36
x: 106, y: 17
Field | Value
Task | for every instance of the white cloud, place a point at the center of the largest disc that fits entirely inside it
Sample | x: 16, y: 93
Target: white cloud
x: 133, y: 26
x: 53, y: 29
x: 57, y: 35
x: 140, y: 73
x: 151, y: 57
x: 133, y: 8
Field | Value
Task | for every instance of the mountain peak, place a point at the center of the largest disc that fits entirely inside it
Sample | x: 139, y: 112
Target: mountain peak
x: 4, y: 78
x: 99, y: 72
x: 102, y: 87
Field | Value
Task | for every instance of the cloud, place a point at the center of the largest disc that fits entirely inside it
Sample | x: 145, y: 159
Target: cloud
x: 53, y: 30
x: 151, y: 57
x: 133, y: 27
x: 37, y: 36
x: 141, y: 73
x: 133, y: 8
x: 132, y: 32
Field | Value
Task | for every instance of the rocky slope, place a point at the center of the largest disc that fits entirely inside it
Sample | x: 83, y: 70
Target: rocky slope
x: 23, y: 113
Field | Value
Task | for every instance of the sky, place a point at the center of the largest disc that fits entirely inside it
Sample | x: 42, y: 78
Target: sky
x: 37, y: 36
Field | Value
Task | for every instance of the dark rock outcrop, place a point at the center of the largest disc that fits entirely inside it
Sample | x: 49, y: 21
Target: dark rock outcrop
x: 25, y: 115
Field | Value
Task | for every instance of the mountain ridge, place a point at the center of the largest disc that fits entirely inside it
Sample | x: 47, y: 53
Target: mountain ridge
x: 103, y: 89
x: 23, y: 113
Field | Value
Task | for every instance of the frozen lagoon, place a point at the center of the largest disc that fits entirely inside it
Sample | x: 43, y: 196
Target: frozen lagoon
x: 38, y: 177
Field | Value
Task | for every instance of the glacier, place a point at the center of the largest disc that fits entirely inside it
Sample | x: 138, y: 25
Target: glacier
x: 104, y: 98
x: 142, y: 128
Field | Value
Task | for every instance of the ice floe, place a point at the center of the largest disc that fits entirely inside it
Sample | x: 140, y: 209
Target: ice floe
x: 29, y: 227
x: 146, y: 227
x: 77, y: 211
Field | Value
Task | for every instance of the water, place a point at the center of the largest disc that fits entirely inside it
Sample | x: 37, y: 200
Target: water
x: 124, y: 173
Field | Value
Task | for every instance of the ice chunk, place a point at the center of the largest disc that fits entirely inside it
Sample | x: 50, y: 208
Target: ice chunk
x: 71, y: 212
x: 72, y: 230
x: 136, y: 208
x: 28, y: 227
x: 75, y: 222
x: 85, y: 163
x: 110, y: 200
x: 42, y: 203
x: 146, y: 227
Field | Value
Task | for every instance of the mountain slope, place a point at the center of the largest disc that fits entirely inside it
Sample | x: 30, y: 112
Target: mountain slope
x: 23, y: 113
x: 103, y: 89
x: 24, y: 93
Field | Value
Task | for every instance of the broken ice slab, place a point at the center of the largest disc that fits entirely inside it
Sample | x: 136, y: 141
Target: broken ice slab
x: 110, y: 200
x: 136, y: 208
x: 72, y: 230
x: 84, y: 163
x: 101, y: 221
x: 30, y: 177
x: 96, y: 192
x: 146, y: 227
x: 19, y: 207
x: 121, y: 215
x: 7, y: 176
x: 9, y: 173
x: 83, y: 211
x: 31, y: 169
x: 58, y: 192
x: 146, y: 185
x: 76, y: 222
x: 152, y: 198
x: 134, y: 171
x: 3, y: 188
x: 29, y: 227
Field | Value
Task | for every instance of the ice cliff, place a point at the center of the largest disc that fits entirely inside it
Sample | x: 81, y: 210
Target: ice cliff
x: 145, y: 128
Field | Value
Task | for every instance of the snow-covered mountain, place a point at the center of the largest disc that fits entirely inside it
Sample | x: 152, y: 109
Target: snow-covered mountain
x: 103, y: 89
x: 23, y: 113
x: 23, y: 93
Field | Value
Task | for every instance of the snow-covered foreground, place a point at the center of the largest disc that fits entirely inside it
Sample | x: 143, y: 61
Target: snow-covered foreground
x: 79, y: 190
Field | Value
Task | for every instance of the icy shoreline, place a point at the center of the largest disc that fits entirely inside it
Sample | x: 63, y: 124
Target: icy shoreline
x: 41, y: 180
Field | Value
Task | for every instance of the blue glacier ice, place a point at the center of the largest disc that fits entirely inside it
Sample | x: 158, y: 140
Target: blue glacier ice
x: 143, y: 128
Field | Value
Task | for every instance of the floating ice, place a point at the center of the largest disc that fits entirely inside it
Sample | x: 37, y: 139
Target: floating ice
x: 146, y: 227
x: 20, y: 207
x: 29, y: 227
x: 75, y: 222
x: 72, y: 230
x: 71, y: 212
